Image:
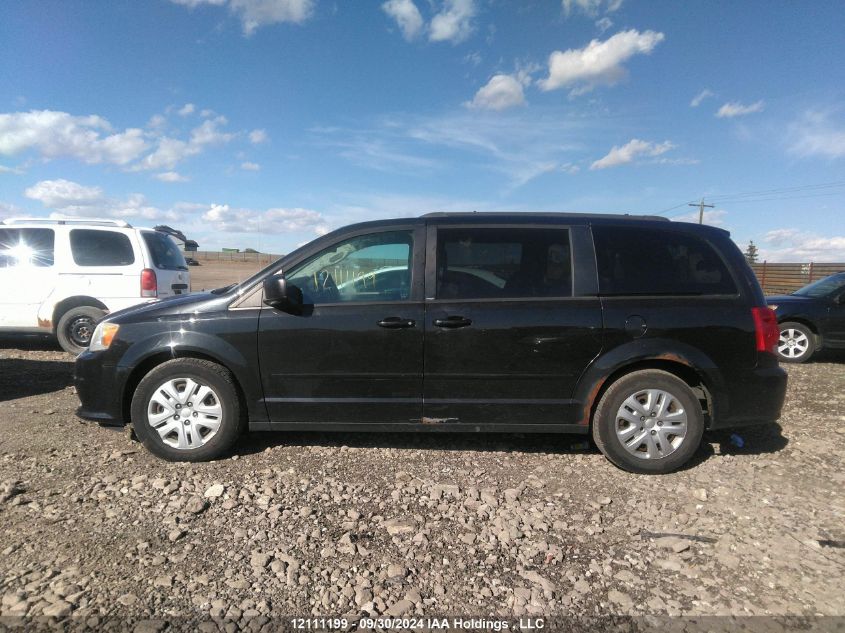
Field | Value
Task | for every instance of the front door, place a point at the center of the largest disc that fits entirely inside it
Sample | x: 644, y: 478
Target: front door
x: 506, y: 336
x: 355, y: 354
x: 27, y: 275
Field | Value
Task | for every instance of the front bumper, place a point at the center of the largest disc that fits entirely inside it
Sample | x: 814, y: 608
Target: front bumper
x: 756, y: 398
x: 99, y: 387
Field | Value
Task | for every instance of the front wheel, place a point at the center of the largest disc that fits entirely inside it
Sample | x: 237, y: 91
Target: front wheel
x: 796, y: 343
x: 648, y: 422
x: 187, y: 410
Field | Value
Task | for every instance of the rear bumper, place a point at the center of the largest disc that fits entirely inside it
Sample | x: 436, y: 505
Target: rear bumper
x: 99, y: 388
x: 757, y: 398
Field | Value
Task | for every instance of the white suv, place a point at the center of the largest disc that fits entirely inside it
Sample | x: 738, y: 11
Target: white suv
x: 61, y: 276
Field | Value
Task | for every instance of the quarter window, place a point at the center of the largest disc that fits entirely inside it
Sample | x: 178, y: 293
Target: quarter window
x: 637, y: 261
x: 27, y: 247
x: 503, y: 263
x: 101, y: 248
x: 374, y: 267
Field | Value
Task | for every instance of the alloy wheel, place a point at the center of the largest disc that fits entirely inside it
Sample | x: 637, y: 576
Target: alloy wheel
x: 793, y: 343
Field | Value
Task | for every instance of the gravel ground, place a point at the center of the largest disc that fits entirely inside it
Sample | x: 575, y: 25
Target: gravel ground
x: 306, y: 524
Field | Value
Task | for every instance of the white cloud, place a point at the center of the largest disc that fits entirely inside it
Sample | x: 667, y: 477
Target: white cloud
x: 10, y: 170
x: 598, y: 62
x: 257, y: 13
x: 59, y: 135
x: 187, y: 109
x: 71, y: 199
x: 814, y: 134
x: 591, y: 8
x: 794, y: 245
x: 256, y: 137
x: 603, y: 24
x: 407, y: 17
x: 701, y: 96
x: 454, y: 21
x: 248, y: 166
x: 621, y: 155
x: 734, y: 108
x: 278, y: 220
x: 500, y: 93
x: 171, y: 176
x: 171, y: 151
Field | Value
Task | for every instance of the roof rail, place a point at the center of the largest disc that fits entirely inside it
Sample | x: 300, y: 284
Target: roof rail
x: 95, y: 221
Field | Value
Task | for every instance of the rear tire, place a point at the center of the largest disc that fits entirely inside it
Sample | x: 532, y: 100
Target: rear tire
x: 187, y: 410
x: 796, y: 344
x: 648, y: 422
x: 76, y: 327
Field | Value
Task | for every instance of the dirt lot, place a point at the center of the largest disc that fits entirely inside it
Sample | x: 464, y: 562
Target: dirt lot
x: 210, y: 275
x: 96, y: 529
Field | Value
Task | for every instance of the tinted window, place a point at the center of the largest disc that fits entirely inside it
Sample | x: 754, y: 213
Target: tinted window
x: 164, y: 252
x: 637, y: 261
x: 26, y: 247
x: 501, y: 263
x: 101, y: 248
x: 375, y: 267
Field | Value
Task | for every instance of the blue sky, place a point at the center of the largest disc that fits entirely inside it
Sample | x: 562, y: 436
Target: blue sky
x: 264, y: 123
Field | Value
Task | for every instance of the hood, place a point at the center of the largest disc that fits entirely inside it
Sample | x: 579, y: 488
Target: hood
x: 179, y: 304
x: 781, y: 299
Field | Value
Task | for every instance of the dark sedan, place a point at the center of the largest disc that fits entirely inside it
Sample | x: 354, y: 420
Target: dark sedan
x: 811, y: 318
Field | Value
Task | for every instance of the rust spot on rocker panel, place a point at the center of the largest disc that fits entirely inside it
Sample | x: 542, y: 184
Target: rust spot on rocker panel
x: 45, y: 323
x: 432, y: 421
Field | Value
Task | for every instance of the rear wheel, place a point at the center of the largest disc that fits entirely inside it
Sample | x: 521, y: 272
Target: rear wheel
x: 796, y: 343
x: 648, y: 422
x: 187, y: 410
x: 76, y: 327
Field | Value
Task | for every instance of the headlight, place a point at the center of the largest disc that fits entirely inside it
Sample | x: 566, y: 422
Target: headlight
x: 103, y: 335
x: 773, y: 306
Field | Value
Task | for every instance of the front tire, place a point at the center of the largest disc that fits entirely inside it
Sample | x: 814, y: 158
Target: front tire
x: 76, y: 327
x: 187, y: 410
x: 796, y: 343
x: 648, y: 422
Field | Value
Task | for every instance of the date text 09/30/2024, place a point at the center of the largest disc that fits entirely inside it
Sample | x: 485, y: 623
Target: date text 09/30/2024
x: 417, y: 624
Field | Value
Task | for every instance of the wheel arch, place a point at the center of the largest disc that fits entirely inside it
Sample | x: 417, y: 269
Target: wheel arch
x: 809, y: 323
x: 69, y: 303
x: 158, y: 358
x: 690, y: 365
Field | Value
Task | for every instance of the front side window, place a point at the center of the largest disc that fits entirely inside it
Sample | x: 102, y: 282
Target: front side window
x: 101, y: 248
x: 501, y: 263
x: 640, y: 261
x: 374, y: 267
x: 27, y: 248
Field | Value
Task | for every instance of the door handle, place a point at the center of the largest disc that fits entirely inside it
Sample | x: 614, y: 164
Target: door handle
x: 453, y: 322
x: 396, y: 323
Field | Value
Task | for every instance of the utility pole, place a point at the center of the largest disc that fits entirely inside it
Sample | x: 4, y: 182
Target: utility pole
x: 701, y: 206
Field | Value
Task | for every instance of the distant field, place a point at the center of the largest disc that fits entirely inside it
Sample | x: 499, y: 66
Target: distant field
x: 210, y: 275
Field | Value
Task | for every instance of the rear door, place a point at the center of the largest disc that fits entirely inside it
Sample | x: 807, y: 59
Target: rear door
x: 512, y: 321
x: 165, y: 258
x: 355, y: 355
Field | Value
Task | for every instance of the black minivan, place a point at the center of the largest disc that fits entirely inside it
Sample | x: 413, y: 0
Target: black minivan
x: 641, y: 331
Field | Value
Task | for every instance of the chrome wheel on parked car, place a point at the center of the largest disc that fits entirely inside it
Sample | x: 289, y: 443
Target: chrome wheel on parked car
x: 185, y: 413
x: 651, y: 424
x: 795, y: 344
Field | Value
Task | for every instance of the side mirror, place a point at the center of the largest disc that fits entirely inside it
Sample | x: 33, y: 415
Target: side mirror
x: 282, y: 295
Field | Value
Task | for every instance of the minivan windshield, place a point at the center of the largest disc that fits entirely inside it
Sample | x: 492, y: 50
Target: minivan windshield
x: 164, y: 252
x: 823, y: 287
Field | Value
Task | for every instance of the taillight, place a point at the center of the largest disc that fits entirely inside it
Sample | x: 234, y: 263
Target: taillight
x: 766, y: 329
x: 149, y: 283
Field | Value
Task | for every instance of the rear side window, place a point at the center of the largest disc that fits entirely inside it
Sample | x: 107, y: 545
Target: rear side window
x: 164, y: 252
x: 101, y: 248
x: 27, y: 247
x: 480, y: 263
x: 639, y: 261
